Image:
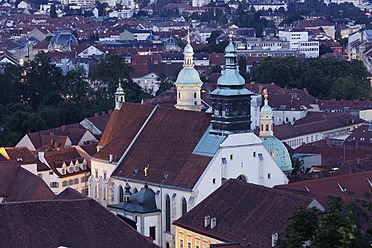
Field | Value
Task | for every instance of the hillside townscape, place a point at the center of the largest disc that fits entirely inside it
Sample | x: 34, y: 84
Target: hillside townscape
x: 188, y: 124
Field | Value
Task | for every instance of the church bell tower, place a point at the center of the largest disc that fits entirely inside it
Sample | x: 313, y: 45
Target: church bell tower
x: 231, y: 102
x: 119, y: 97
x: 188, y: 83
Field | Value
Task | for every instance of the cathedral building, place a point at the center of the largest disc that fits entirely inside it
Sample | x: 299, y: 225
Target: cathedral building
x: 157, y: 163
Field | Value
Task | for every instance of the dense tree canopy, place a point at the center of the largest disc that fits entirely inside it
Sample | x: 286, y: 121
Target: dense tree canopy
x: 324, y: 79
x: 108, y: 73
x: 37, y: 96
x: 340, y: 225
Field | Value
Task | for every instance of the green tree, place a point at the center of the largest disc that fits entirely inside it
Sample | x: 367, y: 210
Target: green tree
x: 108, y: 73
x: 164, y: 83
x: 338, y: 36
x: 259, y: 30
x: 212, y: 38
x: 75, y: 85
x: 323, y: 49
x: 340, y: 225
x: 40, y: 77
x: 53, y: 12
x: 223, y: 19
x: 242, y: 65
x: 271, y: 24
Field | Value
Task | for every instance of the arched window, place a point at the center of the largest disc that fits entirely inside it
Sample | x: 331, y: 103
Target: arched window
x: 121, y: 193
x: 184, y: 206
x: 167, y: 214
x: 267, y: 127
x: 194, y: 94
x: 242, y: 178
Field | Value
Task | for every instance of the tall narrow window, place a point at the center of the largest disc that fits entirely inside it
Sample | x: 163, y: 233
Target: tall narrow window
x: 194, y: 94
x: 152, y: 232
x: 121, y: 193
x: 167, y: 214
x: 184, y: 206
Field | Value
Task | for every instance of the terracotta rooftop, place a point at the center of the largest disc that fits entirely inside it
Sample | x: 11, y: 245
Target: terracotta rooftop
x: 22, y: 155
x: 166, y: 140
x: 18, y: 184
x: 315, y: 122
x: 346, y: 186
x: 244, y: 213
x: 69, y: 223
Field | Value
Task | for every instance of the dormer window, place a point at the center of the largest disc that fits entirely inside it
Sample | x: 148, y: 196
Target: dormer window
x: 76, y: 168
x: 63, y: 171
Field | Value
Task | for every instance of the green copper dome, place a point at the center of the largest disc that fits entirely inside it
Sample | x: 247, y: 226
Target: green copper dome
x: 230, y: 48
x: 231, y: 76
x: 281, y: 155
x: 188, y: 49
x: 188, y: 76
x: 266, y: 109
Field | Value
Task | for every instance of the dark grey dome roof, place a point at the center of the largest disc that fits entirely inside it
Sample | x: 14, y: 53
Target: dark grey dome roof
x: 64, y: 38
x: 171, y: 42
x: 142, y: 201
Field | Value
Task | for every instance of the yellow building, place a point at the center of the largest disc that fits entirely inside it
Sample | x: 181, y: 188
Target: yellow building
x: 239, y: 214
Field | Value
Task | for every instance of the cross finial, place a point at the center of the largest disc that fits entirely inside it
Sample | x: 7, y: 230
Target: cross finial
x: 188, y: 35
x: 145, y: 170
x: 230, y: 36
x: 265, y: 93
x: 266, y: 96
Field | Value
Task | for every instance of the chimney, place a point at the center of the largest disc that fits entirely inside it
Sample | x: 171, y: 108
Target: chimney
x: 103, y: 112
x: 40, y: 156
x: 274, y: 239
x: 111, y: 158
x: 305, y: 90
x: 213, y: 222
x: 110, y: 111
x: 207, y: 221
x: 96, y: 114
x: 260, y: 88
x: 63, y: 128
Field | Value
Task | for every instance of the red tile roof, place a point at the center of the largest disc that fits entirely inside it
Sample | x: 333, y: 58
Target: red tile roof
x: 120, y: 119
x: 70, y: 223
x: 74, y: 131
x: 350, y: 186
x: 328, y: 105
x: 100, y: 121
x: 245, y: 213
x: 56, y: 159
x: 165, y: 144
x: 18, y: 184
x: 22, y: 155
x: 70, y: 194
x: 316, y: 122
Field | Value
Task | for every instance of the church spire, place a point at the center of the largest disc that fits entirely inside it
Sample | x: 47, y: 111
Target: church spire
x: 231, y: 102
x: 188, y: 53
x: 119, y: 96
x: 266, y: 118
x: 188, y: 82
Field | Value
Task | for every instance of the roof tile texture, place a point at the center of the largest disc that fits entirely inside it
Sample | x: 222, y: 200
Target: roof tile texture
x: 245, y: 213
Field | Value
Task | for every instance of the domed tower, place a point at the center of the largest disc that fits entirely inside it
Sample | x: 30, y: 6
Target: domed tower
x: 231, y: 102
x: 266, y: 118
x: 273, y: 145
x: 119, y: 97
x: 188, y: 83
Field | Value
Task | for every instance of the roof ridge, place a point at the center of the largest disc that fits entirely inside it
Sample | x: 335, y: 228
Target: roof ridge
x: 135, y: 138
